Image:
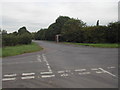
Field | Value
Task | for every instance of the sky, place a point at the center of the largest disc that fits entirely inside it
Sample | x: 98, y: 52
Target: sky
x: 37, y: 14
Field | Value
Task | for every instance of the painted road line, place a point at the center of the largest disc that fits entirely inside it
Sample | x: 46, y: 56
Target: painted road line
x: 47, y: 76
x: 94, y: 69
x: 107, y: 72
x: 110, y: 67
x: 10, y: 75
x: 46, y: 72
x: 99, y: 72
x: 84, y: 73
x: 77, y: 70
x: 67, y: 70
x: 61, y: 71
x: 38, y: 58
x: 8, y: 79
x: 25, y: 74
x: 28, y: 77
x: 64, y: 75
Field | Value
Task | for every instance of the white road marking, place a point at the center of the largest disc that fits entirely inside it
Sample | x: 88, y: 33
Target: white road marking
x: 49, y: 67
x: 84, y: 73
x: 77, y: 70
x: 38, y: 58
x: 28, y: 77
x: 46, y: 76
x: 47, y: 64
x: 94, y: 69
x: 64, y: 75
x: 107, y: 72
x: 61, y: 71
x: 8, y: 79
x: 99, y: 72
x: 46, y: 72
x: 67, y: 70
x: 24, y: 74
x: 110, y: 67
x: 10, y: 75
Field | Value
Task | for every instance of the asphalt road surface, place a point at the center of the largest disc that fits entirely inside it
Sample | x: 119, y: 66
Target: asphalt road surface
x: 62, y: 66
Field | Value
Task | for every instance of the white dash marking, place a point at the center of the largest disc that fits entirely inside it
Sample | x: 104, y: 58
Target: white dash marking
x: 61, y: 71
x: 24, y: 74
x: 99, y: 72
x: 110, y: 67
x: 84, y: 73
x: 28, y: 77
x: 8, y: 79
x: 64, y: 75
x: 107, y: 72
x: 10, y: 75
x: 46, y: 76
x: 94, y: 69
x: 46, y: 72
x: 77, y: 70
x: 38, y: 58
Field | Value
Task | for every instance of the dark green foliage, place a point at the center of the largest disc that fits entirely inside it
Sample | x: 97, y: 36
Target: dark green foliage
x: 74, y: 30
x: 23, y: 30
x: 40, y: 35
x: 15, y: 38
x: 56, y: 27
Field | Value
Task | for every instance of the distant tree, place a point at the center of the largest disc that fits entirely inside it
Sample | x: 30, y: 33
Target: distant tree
x: 55, y: 28
x: 40, y: 35
x: 23, y: 30
x: 72, y: 30
x: 113, y: 31
x: 4, y: 32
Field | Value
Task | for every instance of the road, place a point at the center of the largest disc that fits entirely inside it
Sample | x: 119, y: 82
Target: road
x: 62, y: 66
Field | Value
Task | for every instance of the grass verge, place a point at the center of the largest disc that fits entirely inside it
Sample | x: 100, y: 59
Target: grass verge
x: 20, y: 49
x: 101, y: 45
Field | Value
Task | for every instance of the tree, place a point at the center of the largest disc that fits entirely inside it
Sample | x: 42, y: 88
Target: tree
x: 55, y: 28
x: 72, y: 30
x: 23, y: 30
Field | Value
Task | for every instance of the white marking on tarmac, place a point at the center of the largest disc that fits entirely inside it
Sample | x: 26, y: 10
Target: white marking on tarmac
x: 38, y: 58
x: 94, y: 69
x: 27, y: 74
x: 64, y: 75
x: 110, y: 67
x: 8, y: 79
x: 46, y: 72
x: 46, y: 76
x: 107, y: 72
x: 99, y: 72
x: 28, y: 77
x: 61, y: 71
x: 84, y: 73
x: 77, y: 70
x: 10, y: 75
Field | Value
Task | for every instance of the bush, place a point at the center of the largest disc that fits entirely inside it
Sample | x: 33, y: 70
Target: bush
x: 12, y: 40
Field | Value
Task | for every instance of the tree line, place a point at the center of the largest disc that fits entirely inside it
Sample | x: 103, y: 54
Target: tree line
x: 23, y: 36
x: 75, y: 30
x: 69, y: 29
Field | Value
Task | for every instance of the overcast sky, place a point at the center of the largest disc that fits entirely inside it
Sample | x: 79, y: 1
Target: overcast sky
x: 37, y: 14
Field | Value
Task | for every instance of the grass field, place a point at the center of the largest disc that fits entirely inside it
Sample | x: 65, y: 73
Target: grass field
x: 20, y: 49
x: 101, y: 45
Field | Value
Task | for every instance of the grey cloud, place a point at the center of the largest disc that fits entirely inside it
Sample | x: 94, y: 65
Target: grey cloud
x: 36, y: 15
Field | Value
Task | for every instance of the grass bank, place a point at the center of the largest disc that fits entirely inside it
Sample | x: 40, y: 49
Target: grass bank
x: 20, y: 49
x: 101, y: 45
